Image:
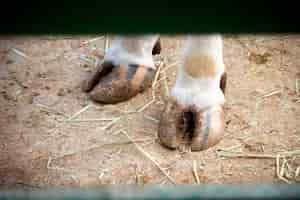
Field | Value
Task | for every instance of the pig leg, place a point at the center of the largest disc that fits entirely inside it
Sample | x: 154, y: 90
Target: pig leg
x: 194, y: 113
x: 127, y: 69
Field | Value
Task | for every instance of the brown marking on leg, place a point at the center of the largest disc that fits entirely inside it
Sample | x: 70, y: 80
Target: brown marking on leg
x: 200, y: 66
x: 157, y: 47
x: 123, y: 72
x: 138, y: 78
x: 223, y: 82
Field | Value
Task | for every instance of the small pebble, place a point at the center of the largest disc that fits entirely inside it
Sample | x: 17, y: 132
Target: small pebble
x: 47, y: 87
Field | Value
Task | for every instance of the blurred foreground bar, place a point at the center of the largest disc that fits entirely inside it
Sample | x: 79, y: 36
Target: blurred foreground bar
x: 162, y: 192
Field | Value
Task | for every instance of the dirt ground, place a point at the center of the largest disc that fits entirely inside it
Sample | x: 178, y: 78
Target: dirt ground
x: 51, y: 134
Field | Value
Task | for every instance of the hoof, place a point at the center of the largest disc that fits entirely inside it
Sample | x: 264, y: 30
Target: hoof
x: 113, y: 84
x: 101, y: 71
x: 181, y: 125
x: 170, y: 129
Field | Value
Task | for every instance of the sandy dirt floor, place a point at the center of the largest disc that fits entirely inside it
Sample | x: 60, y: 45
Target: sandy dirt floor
x: 51, y: 134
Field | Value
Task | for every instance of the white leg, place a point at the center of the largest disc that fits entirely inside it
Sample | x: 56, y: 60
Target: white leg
x: 137, y: 50
x: 198, y: 78
x: 194, y: 113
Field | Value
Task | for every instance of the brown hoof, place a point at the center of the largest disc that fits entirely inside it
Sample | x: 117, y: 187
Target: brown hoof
x: 118, y: 83
x: 209, y: 128
x: 100, y: 71
x: 184, y: 125
x: 170, y: 129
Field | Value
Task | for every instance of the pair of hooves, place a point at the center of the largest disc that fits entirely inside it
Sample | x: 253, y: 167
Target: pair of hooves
x: 181, y: 126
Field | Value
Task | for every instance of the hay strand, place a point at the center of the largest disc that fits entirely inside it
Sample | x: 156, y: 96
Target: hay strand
x: 92, y: 40
x: 150, y: 158
x: 195, y: 172
x: 271, y: 93
x: 20, y: 53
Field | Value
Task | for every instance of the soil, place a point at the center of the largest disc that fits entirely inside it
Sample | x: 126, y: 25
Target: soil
x: 40, y: 83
